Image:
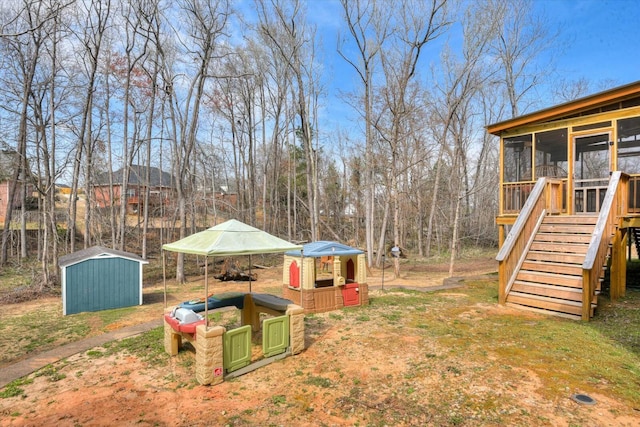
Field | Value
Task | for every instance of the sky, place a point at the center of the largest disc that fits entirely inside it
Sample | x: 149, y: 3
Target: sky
x: 599, y: 41
x: 603, y: 38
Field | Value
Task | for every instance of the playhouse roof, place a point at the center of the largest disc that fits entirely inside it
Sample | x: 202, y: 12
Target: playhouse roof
x: 325, y: 248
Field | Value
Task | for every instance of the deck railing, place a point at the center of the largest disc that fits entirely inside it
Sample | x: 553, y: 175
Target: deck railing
x: 614, y: 206
x: 545, y: 198
x: 515, y: 195
x: 634, y: 194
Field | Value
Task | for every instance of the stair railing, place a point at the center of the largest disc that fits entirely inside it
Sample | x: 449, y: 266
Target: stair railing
x: 614, y: 206
x: 546, y: 197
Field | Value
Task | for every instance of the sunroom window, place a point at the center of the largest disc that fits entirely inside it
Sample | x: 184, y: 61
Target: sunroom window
x: 517, y: 158
x: 629, y: 145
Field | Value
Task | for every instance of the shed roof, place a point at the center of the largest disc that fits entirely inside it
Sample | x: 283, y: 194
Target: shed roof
x: 325, y: 248
x: 591, y: 104
x: 96, y: 252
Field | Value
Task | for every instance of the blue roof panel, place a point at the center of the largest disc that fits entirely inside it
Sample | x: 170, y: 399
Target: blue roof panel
x: 325, y: 248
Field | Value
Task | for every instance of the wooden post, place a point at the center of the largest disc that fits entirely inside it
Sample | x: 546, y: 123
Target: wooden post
x: 502, y: 283
x: 618, y: 276
x: 586, y: 295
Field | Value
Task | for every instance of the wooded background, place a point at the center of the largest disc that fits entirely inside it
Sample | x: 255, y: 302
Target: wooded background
x: 230, y: 94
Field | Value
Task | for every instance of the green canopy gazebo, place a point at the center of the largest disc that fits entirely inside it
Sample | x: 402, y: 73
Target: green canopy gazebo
x: 229, y: 238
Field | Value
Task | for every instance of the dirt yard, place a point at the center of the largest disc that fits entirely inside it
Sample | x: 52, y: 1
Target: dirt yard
x: 361, y: 367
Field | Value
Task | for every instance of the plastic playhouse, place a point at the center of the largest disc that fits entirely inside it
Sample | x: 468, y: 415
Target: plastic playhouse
x: 325, y: 276
x: 222, y: 353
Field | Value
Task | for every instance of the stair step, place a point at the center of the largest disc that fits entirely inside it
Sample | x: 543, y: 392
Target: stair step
x: 566, y: 228
x: 559, y: 247
x: 546, y: 312
x: 571, y: 219
x: 555, y: 257
x: 550, y: 278
x: 545, y: 290
x: 563, y: 237
x: 547, y: 303
x: 552, y: 267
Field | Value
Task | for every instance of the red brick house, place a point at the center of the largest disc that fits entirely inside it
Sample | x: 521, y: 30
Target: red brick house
x: 161, y: 185
x: 8, y: 160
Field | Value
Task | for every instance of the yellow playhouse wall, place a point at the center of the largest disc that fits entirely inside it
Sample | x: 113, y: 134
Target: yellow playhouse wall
x: 285, y: 269
x: 361, y: 269
x: 340, y: 268
x: 308, y: 271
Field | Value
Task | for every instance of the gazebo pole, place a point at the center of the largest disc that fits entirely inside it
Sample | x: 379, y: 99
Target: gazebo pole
x: 206, y: 290
x: 164, y: 277
x: 302, y: 278
x: 250, y: 263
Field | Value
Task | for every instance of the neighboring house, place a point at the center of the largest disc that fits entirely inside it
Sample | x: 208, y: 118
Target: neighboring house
x: 569, y: 198
x: 8, y: 161
x: 161, y: 186
x: 225, y: 200
x: 63, y: 189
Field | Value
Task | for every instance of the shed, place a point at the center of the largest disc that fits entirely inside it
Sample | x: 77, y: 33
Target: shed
x: 100, y: 278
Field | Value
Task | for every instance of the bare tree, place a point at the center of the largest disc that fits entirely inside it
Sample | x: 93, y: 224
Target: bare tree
x: 205, y: 24
x: 416, y: 26
x: 96, y: 18
x: 524, y: 36
x: 23, y: 46
x: 368, y: 25
x: 283, y: 24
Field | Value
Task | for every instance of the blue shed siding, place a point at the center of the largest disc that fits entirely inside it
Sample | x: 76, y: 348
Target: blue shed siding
x: 102, y: 284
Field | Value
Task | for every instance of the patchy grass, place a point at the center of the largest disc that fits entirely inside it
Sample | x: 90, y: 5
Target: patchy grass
x: 31, y: 332
x: 148, y: 347
x: 14, y: 276
x: 452, y: 357
x: 14, y: 388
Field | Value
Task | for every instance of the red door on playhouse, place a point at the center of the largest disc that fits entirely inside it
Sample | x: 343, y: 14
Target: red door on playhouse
x: 351, y: 294
x: 294, y: 275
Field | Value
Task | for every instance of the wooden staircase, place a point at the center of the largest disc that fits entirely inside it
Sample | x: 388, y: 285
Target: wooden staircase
x: 550, y: 277
x: 636, y: 239
x: 555, y: 263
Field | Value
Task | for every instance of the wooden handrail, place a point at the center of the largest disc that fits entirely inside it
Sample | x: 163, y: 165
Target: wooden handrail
x: 523, y: 255
x: 595, y: 257
x: 542, y: 200
x: 525, y: 213
x: 603, y: 219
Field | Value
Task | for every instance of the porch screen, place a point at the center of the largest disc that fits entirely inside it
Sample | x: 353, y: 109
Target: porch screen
x: 629, y: 157
x: 517, y: 158
x: 629, y: 145
x: 551, y: 154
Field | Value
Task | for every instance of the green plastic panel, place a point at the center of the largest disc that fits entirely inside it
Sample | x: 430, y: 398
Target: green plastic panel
x: 237, y: 348
x: 275, y: 335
